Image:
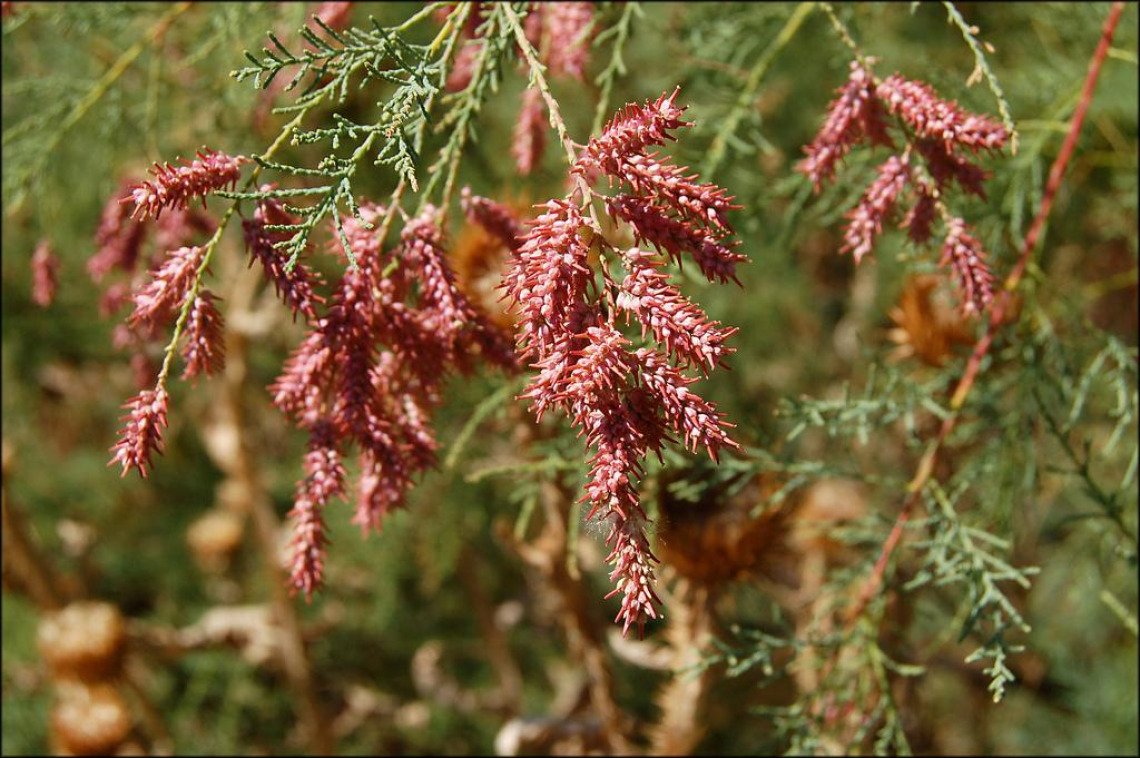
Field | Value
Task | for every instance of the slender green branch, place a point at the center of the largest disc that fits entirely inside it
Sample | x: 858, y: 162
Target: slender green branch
x: 748, y: 92
x: 616, y: 66
x: 100, y: 89
x: 982, y: 68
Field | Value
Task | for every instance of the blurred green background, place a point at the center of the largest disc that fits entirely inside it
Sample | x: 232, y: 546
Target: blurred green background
x: 811, y: 326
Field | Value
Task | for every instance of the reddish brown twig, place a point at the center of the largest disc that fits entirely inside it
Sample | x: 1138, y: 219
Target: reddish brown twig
x: 1000, y: 308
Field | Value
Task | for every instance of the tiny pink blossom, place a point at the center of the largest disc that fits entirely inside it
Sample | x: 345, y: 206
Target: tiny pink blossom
x: 854, y: 116
x: 118, y: 238
x: 569, y: 29
x: 495, y: 217
x: 296, y: 288
x: 632, y: 131
x: 937, y: 119
x: 167, y: 289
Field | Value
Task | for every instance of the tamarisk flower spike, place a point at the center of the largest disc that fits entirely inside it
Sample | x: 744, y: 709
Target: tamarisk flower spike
x: 529, y: 138
x: 963, y: 253
x: 142, y: 431
x: 625, y: 402
x: 705, y: 204
x: 296, y: 288
x: 867, y: 217
x: 175, y: 187
x: 369, y: 370
x: 165, y: 292
x: 854, y: 116
x: 45, y: 273
x: 205, y: 346
x: 118, y: 238
x: 495, y: 217
x: 932, y: 117
x: 567, y: 26
x: 634, y: 129
x: 651, y: 223
x: 676, y: 322
x: 324, y: 480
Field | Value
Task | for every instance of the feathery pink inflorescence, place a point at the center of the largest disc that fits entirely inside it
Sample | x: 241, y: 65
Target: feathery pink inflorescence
x: 369, y: 370
x: 651, y: 223
x: 570, y: 32
x: 919, y: 220
x: 677, y: 323
x: 854, y: 116
x: 626, y: 402
x: 205, y: 347
x: 705, y: 204
x: 296, y: 287
x: 141, y: 434
x: 45, y: 274
x: 529, y: 138
x: 118, y: 238
x: 632, y: 131
x: 937, y: 132
x: 964, y: 254
x: 932, y: 117
x: 493, y: 216
x: 176, y: 186
x: 324, y: 480
x: 166, y: 291
x: 866, y: 219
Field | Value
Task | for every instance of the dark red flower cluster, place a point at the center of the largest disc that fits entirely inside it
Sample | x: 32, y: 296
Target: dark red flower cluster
x: 297, y: 288
x: 370, y: 368
x: 936, y: 131
x: 626, y: 401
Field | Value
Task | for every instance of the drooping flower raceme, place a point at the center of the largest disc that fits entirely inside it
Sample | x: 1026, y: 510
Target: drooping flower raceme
x: 626, y: 400
x: 370, y: 368
x: 941, y: 140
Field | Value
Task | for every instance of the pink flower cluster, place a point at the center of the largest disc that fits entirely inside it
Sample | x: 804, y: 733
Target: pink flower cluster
x: 626, y: 400
x: 45, y: 273
x: 172, y: 287
x: 370, y: 368
x: 142, y: 431
x: 942, y: 136
x: 175, y: 187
